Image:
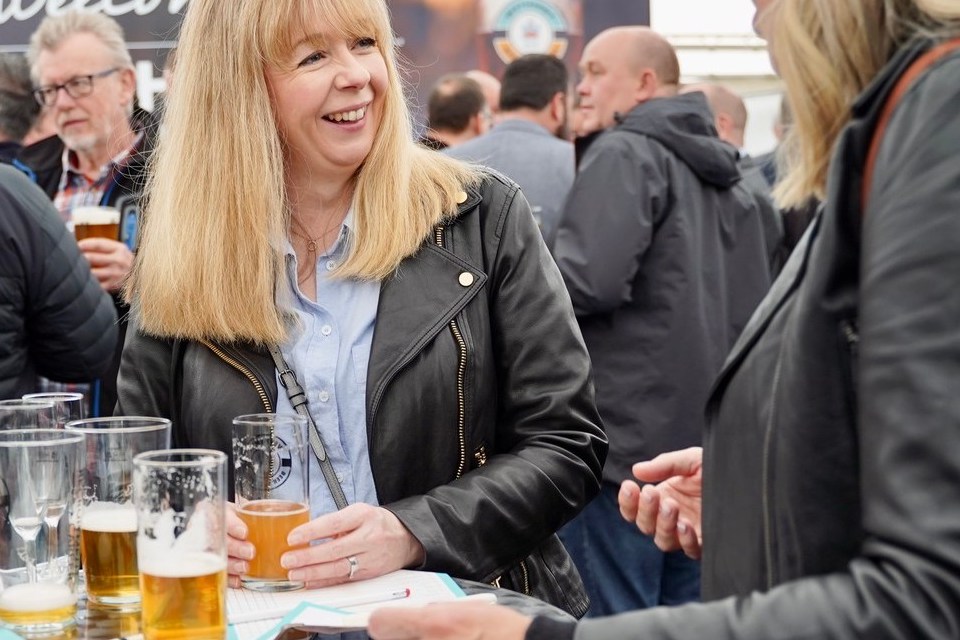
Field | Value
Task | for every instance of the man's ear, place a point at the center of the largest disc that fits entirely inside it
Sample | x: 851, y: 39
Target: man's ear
x: 476, y: 124
x: 724, y: 124
x: 558, y: 106
x: 648, y: 84
x: 128, y: 81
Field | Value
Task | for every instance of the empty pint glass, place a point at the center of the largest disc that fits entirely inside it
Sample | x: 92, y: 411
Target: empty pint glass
x: 27, y: 414
x: 39, y: 475
x: 96, y: 222
x: 108, y: 517
x: 182, y: 543
x: 66, y: 406
x: 271, y: 488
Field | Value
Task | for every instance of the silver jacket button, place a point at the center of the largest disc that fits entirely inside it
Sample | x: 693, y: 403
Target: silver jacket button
x: 466, y: 279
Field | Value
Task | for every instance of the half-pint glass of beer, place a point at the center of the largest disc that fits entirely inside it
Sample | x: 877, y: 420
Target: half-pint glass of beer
x: 39, y: 474
x: 108, y: 517
x: 272, y: 491
x: 181, y: 503
x: 96, y: 222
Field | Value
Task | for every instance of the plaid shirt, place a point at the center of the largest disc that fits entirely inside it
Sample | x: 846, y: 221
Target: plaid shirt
x: 76, y: 190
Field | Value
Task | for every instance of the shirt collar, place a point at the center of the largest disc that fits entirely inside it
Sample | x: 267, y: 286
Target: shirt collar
x: 71, y: 165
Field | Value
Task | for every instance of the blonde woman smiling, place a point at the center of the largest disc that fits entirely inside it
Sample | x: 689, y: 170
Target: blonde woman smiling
x: 412, y: 296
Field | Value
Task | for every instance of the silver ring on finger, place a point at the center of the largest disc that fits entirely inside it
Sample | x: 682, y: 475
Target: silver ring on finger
x: 354, y: 566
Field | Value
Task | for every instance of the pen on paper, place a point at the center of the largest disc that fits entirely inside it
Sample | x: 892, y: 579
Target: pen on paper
x: 337, y: 603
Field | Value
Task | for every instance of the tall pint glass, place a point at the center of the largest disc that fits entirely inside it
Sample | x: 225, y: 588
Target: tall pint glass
x: 271, y: 487
x: 182, y: 543
x: 66, y: 406
x: 108, y: 517
x: 39, y: 473
x: 27, y: 414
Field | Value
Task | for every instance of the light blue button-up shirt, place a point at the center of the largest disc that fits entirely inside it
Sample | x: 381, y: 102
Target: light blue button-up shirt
x: 329, y: 350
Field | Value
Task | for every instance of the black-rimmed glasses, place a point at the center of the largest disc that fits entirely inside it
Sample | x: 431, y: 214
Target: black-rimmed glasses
x: 77, y: 87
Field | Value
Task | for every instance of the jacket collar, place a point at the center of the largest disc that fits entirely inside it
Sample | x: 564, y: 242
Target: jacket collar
x: 427, y: 291
x: 785, y: 285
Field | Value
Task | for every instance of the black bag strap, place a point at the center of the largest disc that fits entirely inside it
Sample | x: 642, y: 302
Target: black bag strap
x: 298, y: 399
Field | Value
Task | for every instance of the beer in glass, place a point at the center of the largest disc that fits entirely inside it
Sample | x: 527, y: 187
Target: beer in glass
x: 180, y: 497
x: 39, y: 473
x: 108, y: 547
x: 96, y: 222
x: 108, y: 517
x: 272, y: 491
x: 184, y: 597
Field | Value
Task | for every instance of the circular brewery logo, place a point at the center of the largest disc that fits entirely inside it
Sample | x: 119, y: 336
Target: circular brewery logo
x: 281, y: 464
x: 530, y: 26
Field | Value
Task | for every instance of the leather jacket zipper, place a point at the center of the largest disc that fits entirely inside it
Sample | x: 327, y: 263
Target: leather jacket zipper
x: 852, y: 337
x: 767, y: 438
x: 256, y: 385
x: 245, y: 371
x: 480, y: 455
x: 461, y: 375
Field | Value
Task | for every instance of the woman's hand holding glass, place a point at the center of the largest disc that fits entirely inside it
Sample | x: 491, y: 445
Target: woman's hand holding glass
x: 669, y: 507
x: 239, y: 551
x: 373, y: 537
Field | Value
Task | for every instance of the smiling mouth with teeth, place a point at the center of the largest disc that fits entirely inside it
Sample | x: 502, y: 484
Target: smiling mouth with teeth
x: 347, y: 116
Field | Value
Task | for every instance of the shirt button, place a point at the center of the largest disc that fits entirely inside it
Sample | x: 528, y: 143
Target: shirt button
x: 465, y: 279
x: 339, y: 477
x: 331, y: 265
x: 324, y: 396
x: 326, y: 329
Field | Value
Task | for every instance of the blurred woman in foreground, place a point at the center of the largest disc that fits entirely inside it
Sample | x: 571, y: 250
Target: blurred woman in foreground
x: 831, y: 463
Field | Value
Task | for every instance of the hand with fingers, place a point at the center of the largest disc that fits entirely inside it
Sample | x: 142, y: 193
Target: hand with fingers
x: 110, y: 261
x: 448, y: 621
x: 239, y: 551
x: 669, y: 507
x: 358, y: 542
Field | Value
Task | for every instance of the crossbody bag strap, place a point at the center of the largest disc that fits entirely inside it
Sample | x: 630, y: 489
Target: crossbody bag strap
x: 298, y: 399
x: 903, y: 85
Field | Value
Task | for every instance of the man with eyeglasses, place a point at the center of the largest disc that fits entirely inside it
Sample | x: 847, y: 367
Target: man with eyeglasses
x: 83, y: 76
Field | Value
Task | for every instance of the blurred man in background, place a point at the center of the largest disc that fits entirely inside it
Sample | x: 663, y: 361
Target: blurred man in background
x: 18, y: 109
x: 528, y: 144
x: 457, y: 112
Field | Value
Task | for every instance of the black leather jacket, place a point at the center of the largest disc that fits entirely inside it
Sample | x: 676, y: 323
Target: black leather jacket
x: 483, y: 433
x: 832, y: 458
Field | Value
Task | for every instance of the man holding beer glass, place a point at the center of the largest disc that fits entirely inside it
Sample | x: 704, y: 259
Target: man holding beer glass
x: 95, y: 167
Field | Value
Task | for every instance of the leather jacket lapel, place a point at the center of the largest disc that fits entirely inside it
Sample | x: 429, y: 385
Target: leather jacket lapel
x: 429, y: 289
x: 784, y: 286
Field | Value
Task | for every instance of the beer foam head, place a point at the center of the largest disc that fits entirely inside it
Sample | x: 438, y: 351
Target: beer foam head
x: 95, y: 215
x: 109, y: 517
x: 40, y: 596
x: 190, y: 565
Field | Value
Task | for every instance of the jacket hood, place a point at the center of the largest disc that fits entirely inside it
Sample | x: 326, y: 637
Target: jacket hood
x: 684, y: 124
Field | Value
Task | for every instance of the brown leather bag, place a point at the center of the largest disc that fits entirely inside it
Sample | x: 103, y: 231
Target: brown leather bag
x: 914, y: 71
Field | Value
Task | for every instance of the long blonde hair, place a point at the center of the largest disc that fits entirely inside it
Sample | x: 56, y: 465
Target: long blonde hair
x: 827, y: 52
x: 216, y: 215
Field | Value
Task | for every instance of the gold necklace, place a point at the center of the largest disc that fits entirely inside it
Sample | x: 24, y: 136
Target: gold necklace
x: 313, y: 244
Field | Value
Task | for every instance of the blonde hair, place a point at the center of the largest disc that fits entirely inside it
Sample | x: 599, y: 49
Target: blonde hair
x: 216, y: 217
x: 55, y: 29
x: 827, y: 52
